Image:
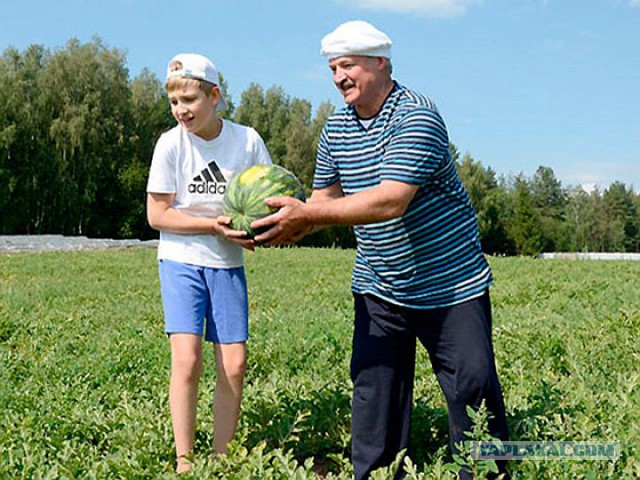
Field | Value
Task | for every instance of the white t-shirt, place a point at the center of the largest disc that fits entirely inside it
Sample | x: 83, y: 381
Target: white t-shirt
x: 197, y: 171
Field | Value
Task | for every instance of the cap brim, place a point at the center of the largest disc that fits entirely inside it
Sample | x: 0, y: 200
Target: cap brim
x: 222, y: 103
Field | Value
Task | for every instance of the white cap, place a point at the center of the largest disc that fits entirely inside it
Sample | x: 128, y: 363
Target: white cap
x: 356, y: 38
x: 199, y: 67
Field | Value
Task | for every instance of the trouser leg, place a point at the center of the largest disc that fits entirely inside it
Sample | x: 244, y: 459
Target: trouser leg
x: 458, y: 340
x: 382, y: 370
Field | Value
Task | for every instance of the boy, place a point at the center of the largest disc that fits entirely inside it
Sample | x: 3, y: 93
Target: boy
x: 200, y: 257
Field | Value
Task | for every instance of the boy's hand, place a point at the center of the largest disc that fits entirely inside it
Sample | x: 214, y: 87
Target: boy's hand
x: 236, y: 236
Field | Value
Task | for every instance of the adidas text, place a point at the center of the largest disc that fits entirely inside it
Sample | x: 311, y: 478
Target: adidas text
x: 210, y: 188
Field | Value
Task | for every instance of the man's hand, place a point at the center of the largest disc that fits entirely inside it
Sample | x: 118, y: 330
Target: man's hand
x: 288, y: 225
x: 236, y: 236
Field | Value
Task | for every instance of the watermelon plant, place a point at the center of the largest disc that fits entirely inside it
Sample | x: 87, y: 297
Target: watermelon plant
x: 83, y: 371
x: 246, y: 193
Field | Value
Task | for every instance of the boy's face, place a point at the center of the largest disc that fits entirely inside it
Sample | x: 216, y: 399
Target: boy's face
x: 194, y: 109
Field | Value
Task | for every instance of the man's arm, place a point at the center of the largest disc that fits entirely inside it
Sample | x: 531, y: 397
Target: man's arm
x: 330, y: 207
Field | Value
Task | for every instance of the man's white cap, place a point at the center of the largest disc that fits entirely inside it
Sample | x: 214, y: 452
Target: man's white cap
x: 199, y: 67
x: 356, y: 38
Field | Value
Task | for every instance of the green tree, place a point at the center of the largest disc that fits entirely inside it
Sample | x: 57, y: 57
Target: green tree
x: 77, y: 137
x: 150, y: 115
x: 636, y: 203
x: 224, y: 88
x: 489, y: 202
x: 550, y: 199
x: 524, y: 228
x: 252, y: 109
x: 299, y: 156
x: 26, y: 172
x: 87, y: 88
x: 325, y: 110
x: 10, y: 90
x: 579, y: 221
x: 277, y: 110
x: 622, y: 216
x: 455, y: 153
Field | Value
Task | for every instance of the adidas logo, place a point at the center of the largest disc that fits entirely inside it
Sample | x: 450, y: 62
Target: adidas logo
x: 210, y: 181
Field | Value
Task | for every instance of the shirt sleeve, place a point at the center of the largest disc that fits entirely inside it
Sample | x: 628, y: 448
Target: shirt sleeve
x: 418, y: 147
x: 162, y: 174
x: 260, y: 153
x: 326, y: 172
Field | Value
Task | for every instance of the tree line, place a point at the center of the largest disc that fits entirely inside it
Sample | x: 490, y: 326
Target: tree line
x: 77, y: 136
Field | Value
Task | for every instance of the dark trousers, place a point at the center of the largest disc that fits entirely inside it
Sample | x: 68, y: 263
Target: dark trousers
x: 458, y: 340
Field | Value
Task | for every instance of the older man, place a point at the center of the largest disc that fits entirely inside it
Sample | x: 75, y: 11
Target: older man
x: 384, y: 166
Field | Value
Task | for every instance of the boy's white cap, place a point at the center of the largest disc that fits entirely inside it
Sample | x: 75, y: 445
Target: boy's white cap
x: 356, y: 38
x: 199, y: 67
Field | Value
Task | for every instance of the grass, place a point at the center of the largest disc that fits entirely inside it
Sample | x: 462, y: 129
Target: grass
x: 84, y: 368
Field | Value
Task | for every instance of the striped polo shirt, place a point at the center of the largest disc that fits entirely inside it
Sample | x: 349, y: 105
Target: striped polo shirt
x: 431, y: 256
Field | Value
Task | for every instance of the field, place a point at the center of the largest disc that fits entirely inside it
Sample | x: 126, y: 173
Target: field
x: 84, y: 368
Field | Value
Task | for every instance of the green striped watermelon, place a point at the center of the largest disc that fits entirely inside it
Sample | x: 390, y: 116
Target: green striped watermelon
x: 245, y: 194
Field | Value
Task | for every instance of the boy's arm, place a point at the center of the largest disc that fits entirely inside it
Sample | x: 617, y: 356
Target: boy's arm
x: 162, y: 216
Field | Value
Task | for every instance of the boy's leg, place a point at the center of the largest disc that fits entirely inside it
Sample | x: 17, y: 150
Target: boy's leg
x: 184, y: 301
x: 186, y: 368
x: 231, y: 362
x: 228, y: 329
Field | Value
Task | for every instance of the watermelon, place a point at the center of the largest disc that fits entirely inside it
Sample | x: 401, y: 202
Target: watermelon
x: 245, y: 194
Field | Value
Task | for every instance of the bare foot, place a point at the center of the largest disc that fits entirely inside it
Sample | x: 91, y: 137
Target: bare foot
x: 184, y: 464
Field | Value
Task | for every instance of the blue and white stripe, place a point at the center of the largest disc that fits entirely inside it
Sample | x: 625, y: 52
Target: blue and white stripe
x: 431, y: 256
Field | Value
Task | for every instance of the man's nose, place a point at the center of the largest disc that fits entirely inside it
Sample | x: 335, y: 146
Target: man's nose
x: 338, y: 75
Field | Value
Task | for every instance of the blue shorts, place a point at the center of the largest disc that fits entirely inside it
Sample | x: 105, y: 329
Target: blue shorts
x: 199, y: 299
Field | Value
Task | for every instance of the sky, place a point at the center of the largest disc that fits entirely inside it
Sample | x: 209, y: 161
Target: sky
x: 519, y: 83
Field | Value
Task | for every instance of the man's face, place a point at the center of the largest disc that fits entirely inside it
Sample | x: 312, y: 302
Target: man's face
x: 356, y: 77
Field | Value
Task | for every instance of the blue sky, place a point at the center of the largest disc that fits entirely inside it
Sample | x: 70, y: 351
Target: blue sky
x: 520, y: 83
